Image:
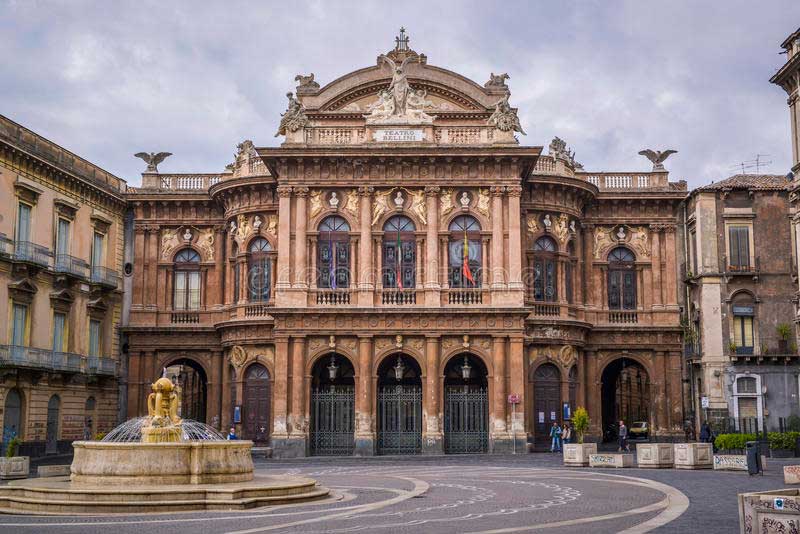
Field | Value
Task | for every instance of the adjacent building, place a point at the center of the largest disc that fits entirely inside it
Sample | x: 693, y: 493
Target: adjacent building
x: 402, y: 276
x: 61, y: 244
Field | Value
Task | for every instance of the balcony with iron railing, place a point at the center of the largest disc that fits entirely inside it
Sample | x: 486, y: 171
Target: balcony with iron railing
x: 743, y: 267
x: 105, y: 277
x: 767, y: 348
x: 28, y: 252
x: 101, y: 365
x: 18, y: 356
x: 70, y: 265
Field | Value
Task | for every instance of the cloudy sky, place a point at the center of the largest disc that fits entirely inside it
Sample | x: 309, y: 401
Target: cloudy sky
x: 107, y: 79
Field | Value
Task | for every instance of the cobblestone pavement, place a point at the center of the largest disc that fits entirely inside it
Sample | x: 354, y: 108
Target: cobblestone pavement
x: 475, y: 494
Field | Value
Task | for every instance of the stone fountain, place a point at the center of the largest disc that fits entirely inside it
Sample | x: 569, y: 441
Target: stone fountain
x: 158, y: 463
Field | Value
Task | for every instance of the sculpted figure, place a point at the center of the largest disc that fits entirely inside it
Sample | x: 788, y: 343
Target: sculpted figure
x: 352, y: 202
x: 399, y: 87
x: 168, y: 242
x: 306, y: 83
x: 464, y: 199
x: 483, y: 202
x: 561, y: 228
x: 272, y: 225
x: 399, y: 200
x: 445, y: 202
x: 294, y: 118
x: 418, y: 205
x: 334, y: 200
x: 162, y: 403
x: 657, y: 157
x: 505, y: 117
x: 152, y: 159
x: 547, y: 222
x: 572, y: 226
x: 381, y: 205
x: 533, y: 227
x: 257, y: 223
x: 497, y: 80
x: 316, y: 202
x: 206, y: 243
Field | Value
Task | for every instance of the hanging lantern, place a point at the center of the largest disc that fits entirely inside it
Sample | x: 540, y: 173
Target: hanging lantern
x: 333, y: 369
x: 399, y: 369
x: 466, y: 369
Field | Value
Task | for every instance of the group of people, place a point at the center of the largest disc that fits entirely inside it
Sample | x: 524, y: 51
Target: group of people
x: 559, y: 435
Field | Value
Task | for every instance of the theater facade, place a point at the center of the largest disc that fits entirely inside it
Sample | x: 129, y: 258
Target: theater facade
x: 403, y: 276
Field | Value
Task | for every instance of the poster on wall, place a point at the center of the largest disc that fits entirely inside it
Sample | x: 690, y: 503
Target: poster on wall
x: 553, y: 416
x: 541, y: 417
x: 566, y: 412
x: 237, y: 414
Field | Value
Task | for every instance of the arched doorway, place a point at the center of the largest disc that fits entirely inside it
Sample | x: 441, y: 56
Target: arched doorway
x: 466, y: 406
x: 332, y: 407
x: 192, y: 384
x: 399, y: 406
x: 256, y: 404
x: 546, y: 403
x: 625, y: 395
x: 573, y: 389
x: 12, y: 417
x: 51, y: 435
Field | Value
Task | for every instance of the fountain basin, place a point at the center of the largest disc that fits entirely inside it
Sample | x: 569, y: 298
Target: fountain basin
x: 145, y: 464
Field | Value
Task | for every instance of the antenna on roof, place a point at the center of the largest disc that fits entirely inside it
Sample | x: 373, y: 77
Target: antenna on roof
x: 751, y: 164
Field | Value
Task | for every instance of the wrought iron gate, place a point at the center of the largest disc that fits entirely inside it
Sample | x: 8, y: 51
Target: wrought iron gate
x: 466, y: 419
x: 332, y: 420
x: 399, y: 419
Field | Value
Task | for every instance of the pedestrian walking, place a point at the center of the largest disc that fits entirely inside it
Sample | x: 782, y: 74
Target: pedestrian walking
x: 555, y: 438
x: 566, y: 433
x: 705, y: 433
x: 623, y: 437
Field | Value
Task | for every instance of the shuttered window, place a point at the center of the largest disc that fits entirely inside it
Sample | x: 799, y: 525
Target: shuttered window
x: 739, y: 242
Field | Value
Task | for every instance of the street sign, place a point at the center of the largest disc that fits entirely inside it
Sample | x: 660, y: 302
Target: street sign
x: 513, y: 398
x: 566, y: 411
x: 704, y: 402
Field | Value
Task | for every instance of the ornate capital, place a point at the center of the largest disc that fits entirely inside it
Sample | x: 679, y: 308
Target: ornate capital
x: 432, y: 190
x: 301, y: 191
x: 497, y: 190
x: 514, y: 190
x: 792, y: 99
x: 284, y: 191
x: 365, y: 190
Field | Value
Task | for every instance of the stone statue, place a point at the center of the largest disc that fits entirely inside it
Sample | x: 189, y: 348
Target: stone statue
x: 418, y: 205
x: 483, y: 202
x: 572, y: 226
x: 399, y: 87
x: 602, y: 239
x: 187, y: 235
x: 621, y: 233
x: 547, y: 222
x: 657, y: 157
x: 162, y: 408
x: 505, y: 117
x: 233, y: 226
x: 306, y: 84
x: 562, y: 230
x: 416, y: 104
x: 383, y: 107
x: 497, y: 81
x: 257, y: 223
x: 334, y: 200
x: 316, y: 202
x: 445, y: 202
x: 152, y: 159
x: 639, y: 241
x: 399, y: 104
x: 351, y: 203
x: 533, y: 227
x: 464, y: 199
x: 294, y: 118
x: 399, y: 200
x: 558, y: 149
x: 242, y: 230
x: 381, y: 205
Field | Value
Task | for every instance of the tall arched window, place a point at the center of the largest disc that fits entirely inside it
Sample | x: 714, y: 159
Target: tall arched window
x: 333, y: 258
x: 186, y: 294
x: 465, y: 252
x: 259, y: 270
x: 744, y: 314
x: 399, y: 253
x: 621, y: 279
x: 545, y: 274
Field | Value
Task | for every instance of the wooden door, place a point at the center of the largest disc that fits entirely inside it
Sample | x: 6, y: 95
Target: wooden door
x: 256, y: 404
x: 546, y: 403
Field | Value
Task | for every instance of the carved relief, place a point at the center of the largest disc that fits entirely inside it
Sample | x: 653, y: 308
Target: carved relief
x: 272, y: 225
x: 238, y: 356
x: 602, y: 240
x: 445, y: 202
x: 169, y: 242
x: 533, y: 226
x: 483, y: 202
x: 351, y: 205
x: 205, y: 241
x: 566, y: 356
x: 416, y: 344
x: 418, y: 205
x: 381, y: 205
x: 640, y: 241
x: 562, y: 228
x: 316, y: 202
x: 243, y: 230
x: 383, y: 343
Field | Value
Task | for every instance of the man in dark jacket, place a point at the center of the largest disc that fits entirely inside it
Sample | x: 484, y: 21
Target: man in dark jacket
x: 623, y: 437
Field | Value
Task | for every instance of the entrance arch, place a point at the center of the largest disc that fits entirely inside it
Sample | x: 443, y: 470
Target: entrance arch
x: 625, y: 395
x: 546, y: 403
x: 399, y: 406
x: 191, y: 378
x: 466, y: 405
x: 12, y: 417
x: 51, y: 435
x: 332, y: 407
x: 256, y: 404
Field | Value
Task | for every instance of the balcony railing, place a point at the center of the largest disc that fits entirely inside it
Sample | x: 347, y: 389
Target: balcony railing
x: 546, y: 310
x: 465, y: 296
x: 67, y: 361
x: 6, y: 245
x: 32, y: 253
x: 623, y: 317
x: 71, y: 265
x: 742, y: 268
x: 185, y: 317
x: 398, y: 297
x: 767, y: 347
x: 100, y: 365
x: 256, y: 310
x: 105, y: 277
x: 20, y: 356
x: 333, y: 297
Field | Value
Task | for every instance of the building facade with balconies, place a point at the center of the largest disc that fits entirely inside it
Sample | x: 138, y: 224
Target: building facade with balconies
x: 741, y: 280
x: 61, y: 243
x: 402, y: 276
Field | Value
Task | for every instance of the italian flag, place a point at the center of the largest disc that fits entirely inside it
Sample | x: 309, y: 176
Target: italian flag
x: 465, y: 266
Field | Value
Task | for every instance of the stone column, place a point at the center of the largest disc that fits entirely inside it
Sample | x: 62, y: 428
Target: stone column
x: 284, y: 245
x: 418, y: 263
x: 151, y: 291
x: 280, y: 435
x: 514, y: 240
x: 498, y: 427
x: 298, y: 426
x: 313, y: 281
x: 484, y: 261
x: 365, y: 435
x: 497, y: 238
x: 445, y: 263
x: 432, y: 263
x: 655, y: 258
x: 432, y: 442
x: 518, y: 372
x: 138, y: 266
x: 227, y: 401
x: 590, y: 294
x: 366, y: 277
x: 214, y: 400
x: 300, y: 241
x: 670, y: 280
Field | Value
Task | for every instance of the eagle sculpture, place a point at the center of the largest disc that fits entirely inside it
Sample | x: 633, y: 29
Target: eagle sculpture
x: 152, y: 159
x: 657, y: 157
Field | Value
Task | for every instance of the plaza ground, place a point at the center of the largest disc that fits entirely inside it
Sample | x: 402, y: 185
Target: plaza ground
x: 460, y: 494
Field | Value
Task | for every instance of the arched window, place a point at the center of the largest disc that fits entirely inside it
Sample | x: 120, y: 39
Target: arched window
x: 545, y: 274
x: 399, y: 253
x: 333, y: 257
x: 465, y: 252
x: 621, y: 279
x: 259, y: 270
x: 186, y: 293
x: 744, y: 314
x: 569, y: 270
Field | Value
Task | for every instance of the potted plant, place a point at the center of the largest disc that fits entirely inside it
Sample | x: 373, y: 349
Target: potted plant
x: 13, y: 466
x: 578, y: 453
x: 732, y: 347
x: 784, y: 332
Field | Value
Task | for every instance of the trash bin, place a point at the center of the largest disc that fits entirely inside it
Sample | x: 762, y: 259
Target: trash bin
x: 753, y: 453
